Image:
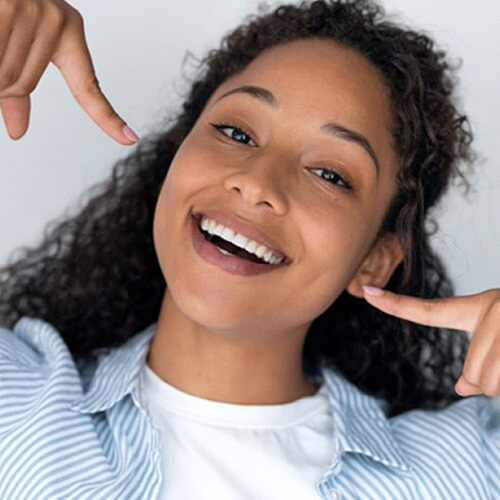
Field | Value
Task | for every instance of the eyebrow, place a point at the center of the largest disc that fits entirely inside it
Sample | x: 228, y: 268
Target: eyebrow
x: 331, y: 128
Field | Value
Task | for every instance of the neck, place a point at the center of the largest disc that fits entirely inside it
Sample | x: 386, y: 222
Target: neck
x: 240, y: 369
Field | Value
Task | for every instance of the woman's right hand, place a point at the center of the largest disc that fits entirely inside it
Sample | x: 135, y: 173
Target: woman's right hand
x: 34, y: 33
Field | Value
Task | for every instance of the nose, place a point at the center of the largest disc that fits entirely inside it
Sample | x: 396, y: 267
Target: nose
x: 260, y: 181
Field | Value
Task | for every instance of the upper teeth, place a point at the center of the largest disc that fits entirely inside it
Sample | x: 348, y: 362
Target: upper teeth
x: 239, y: 240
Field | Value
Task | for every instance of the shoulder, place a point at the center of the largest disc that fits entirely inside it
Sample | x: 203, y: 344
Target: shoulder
x: 473, y: 416
x: 476, y: 412
x: 33, y: 345
x: 41, y: 437
x: 37, y: 372
x: 459, y: 443
x: 18, y: 347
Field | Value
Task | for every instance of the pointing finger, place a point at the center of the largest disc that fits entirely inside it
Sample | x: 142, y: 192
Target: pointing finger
x: 74, y: 61
x: 458, y: 313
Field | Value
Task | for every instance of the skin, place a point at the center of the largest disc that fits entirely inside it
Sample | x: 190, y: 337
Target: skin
x: 209, y: 331
x: 477, y: 313
x: 33, y: 34
x: 239, y: 339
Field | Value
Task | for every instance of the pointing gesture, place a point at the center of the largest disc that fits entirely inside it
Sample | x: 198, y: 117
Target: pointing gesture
x: 34, y: 33
x: 478, y: 314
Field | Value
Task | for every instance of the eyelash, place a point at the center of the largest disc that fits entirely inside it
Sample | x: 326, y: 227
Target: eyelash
x: 220, y: 126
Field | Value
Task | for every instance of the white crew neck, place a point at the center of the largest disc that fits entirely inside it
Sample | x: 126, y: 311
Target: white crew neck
x: 168, y: 398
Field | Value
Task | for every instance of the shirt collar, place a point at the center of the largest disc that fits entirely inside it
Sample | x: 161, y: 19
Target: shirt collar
x: 116, y: 373
x: 360, y: 424
x: 359, y: 419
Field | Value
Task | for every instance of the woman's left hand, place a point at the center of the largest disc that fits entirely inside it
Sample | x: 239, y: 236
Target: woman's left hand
x: 478, y: 314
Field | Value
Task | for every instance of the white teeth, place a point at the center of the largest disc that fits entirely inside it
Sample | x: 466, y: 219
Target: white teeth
x: 227, y: 234
x: 261, y: 252
x: 239, y: 240
x: 250, y: 246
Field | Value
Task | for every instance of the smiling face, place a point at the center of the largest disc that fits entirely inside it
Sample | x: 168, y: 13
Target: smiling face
x: 319, y: 191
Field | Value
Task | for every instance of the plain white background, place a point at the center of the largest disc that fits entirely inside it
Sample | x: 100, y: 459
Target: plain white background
x: 138, y: 50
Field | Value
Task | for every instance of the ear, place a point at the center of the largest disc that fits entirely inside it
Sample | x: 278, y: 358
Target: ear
x: 377, y: 267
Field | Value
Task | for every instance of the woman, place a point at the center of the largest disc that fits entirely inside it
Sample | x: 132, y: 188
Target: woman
x: 209, y: 325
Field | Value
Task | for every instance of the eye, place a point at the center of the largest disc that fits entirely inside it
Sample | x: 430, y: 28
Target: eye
x: 239, y: 131
x: 332, y: 177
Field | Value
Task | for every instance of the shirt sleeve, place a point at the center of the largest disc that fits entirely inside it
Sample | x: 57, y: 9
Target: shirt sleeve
x: 16, y: 350
x: 22, y: 379
x: 489, y: 418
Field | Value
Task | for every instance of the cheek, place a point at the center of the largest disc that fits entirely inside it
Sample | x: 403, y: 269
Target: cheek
x: 195, y: 168
x: 335, y: 245
x: 186, y: 181
x: 161, y: 225
x: 170, y: 213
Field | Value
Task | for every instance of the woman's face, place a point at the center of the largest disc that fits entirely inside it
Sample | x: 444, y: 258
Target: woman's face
x: 274, y: 178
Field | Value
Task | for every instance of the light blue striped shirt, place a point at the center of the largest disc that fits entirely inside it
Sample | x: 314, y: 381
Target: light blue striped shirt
x: 79, y: 432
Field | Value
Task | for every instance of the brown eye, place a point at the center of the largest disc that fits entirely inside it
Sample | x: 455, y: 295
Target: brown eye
x: 237, y: 131
x: 333, y: 177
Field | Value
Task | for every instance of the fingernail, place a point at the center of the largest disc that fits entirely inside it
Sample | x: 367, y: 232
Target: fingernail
x: 459, y: 391
x: 130, y: 134
x: 373, y: 290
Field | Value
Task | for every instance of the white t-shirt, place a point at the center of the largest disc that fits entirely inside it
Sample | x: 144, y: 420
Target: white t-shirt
x: 224, y: 451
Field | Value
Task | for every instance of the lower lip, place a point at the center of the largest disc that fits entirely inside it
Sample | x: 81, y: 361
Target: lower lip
x: 230, y: 263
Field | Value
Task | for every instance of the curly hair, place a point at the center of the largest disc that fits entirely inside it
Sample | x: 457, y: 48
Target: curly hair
x: 95, y: 275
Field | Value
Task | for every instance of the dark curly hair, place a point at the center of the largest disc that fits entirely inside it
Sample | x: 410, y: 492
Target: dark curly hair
x: 95, y: 275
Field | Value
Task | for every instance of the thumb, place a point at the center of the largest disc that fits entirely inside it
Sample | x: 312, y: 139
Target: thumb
x: 16, y: 114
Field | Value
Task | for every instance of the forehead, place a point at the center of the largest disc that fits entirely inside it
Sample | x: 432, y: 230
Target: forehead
x: 315, y: 80
x: 318, y: 73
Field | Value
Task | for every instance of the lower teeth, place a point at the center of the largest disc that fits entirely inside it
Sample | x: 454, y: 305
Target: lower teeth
x: 224, y: 251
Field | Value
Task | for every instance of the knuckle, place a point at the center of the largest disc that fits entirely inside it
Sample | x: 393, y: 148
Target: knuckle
x: 495, y: 307
x: 488, y: 392
x: 8, y: 9
x: 467, y: 373
x: 488, y: 383
x: 8, y: 77
x: 23, y: 88
x: 92, y: 86
x: 89, y: 87
x: 489, y: 387
x: 494, y: 292
x: 435, y: 303
x: 33, y: 9
x: 11, y: 93
x: 110, y: 114
x: 490, y: 295
x: 429, y: 305
x: 75, y: 16
x: 55, y: 16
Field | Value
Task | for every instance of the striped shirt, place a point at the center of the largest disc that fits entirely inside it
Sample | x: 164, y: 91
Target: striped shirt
x: 80, y: 432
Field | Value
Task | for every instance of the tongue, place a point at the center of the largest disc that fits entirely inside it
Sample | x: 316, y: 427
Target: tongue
x: 240, y: 252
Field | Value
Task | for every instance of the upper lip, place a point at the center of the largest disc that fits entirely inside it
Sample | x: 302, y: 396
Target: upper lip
x: 245, y: 228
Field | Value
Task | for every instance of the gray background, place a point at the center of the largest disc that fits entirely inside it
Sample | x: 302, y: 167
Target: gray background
x: 138, y: 49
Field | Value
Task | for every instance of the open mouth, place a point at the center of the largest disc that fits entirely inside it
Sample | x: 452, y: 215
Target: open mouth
x: 228, y: 247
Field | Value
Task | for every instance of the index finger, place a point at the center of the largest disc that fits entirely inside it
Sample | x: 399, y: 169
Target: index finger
x: 459, y: 313
x: 75, y: 63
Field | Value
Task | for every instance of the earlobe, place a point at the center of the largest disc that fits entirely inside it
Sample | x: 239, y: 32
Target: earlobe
x: 378, y: 266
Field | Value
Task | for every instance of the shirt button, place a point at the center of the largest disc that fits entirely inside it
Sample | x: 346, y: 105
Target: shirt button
x: 335, y: 495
